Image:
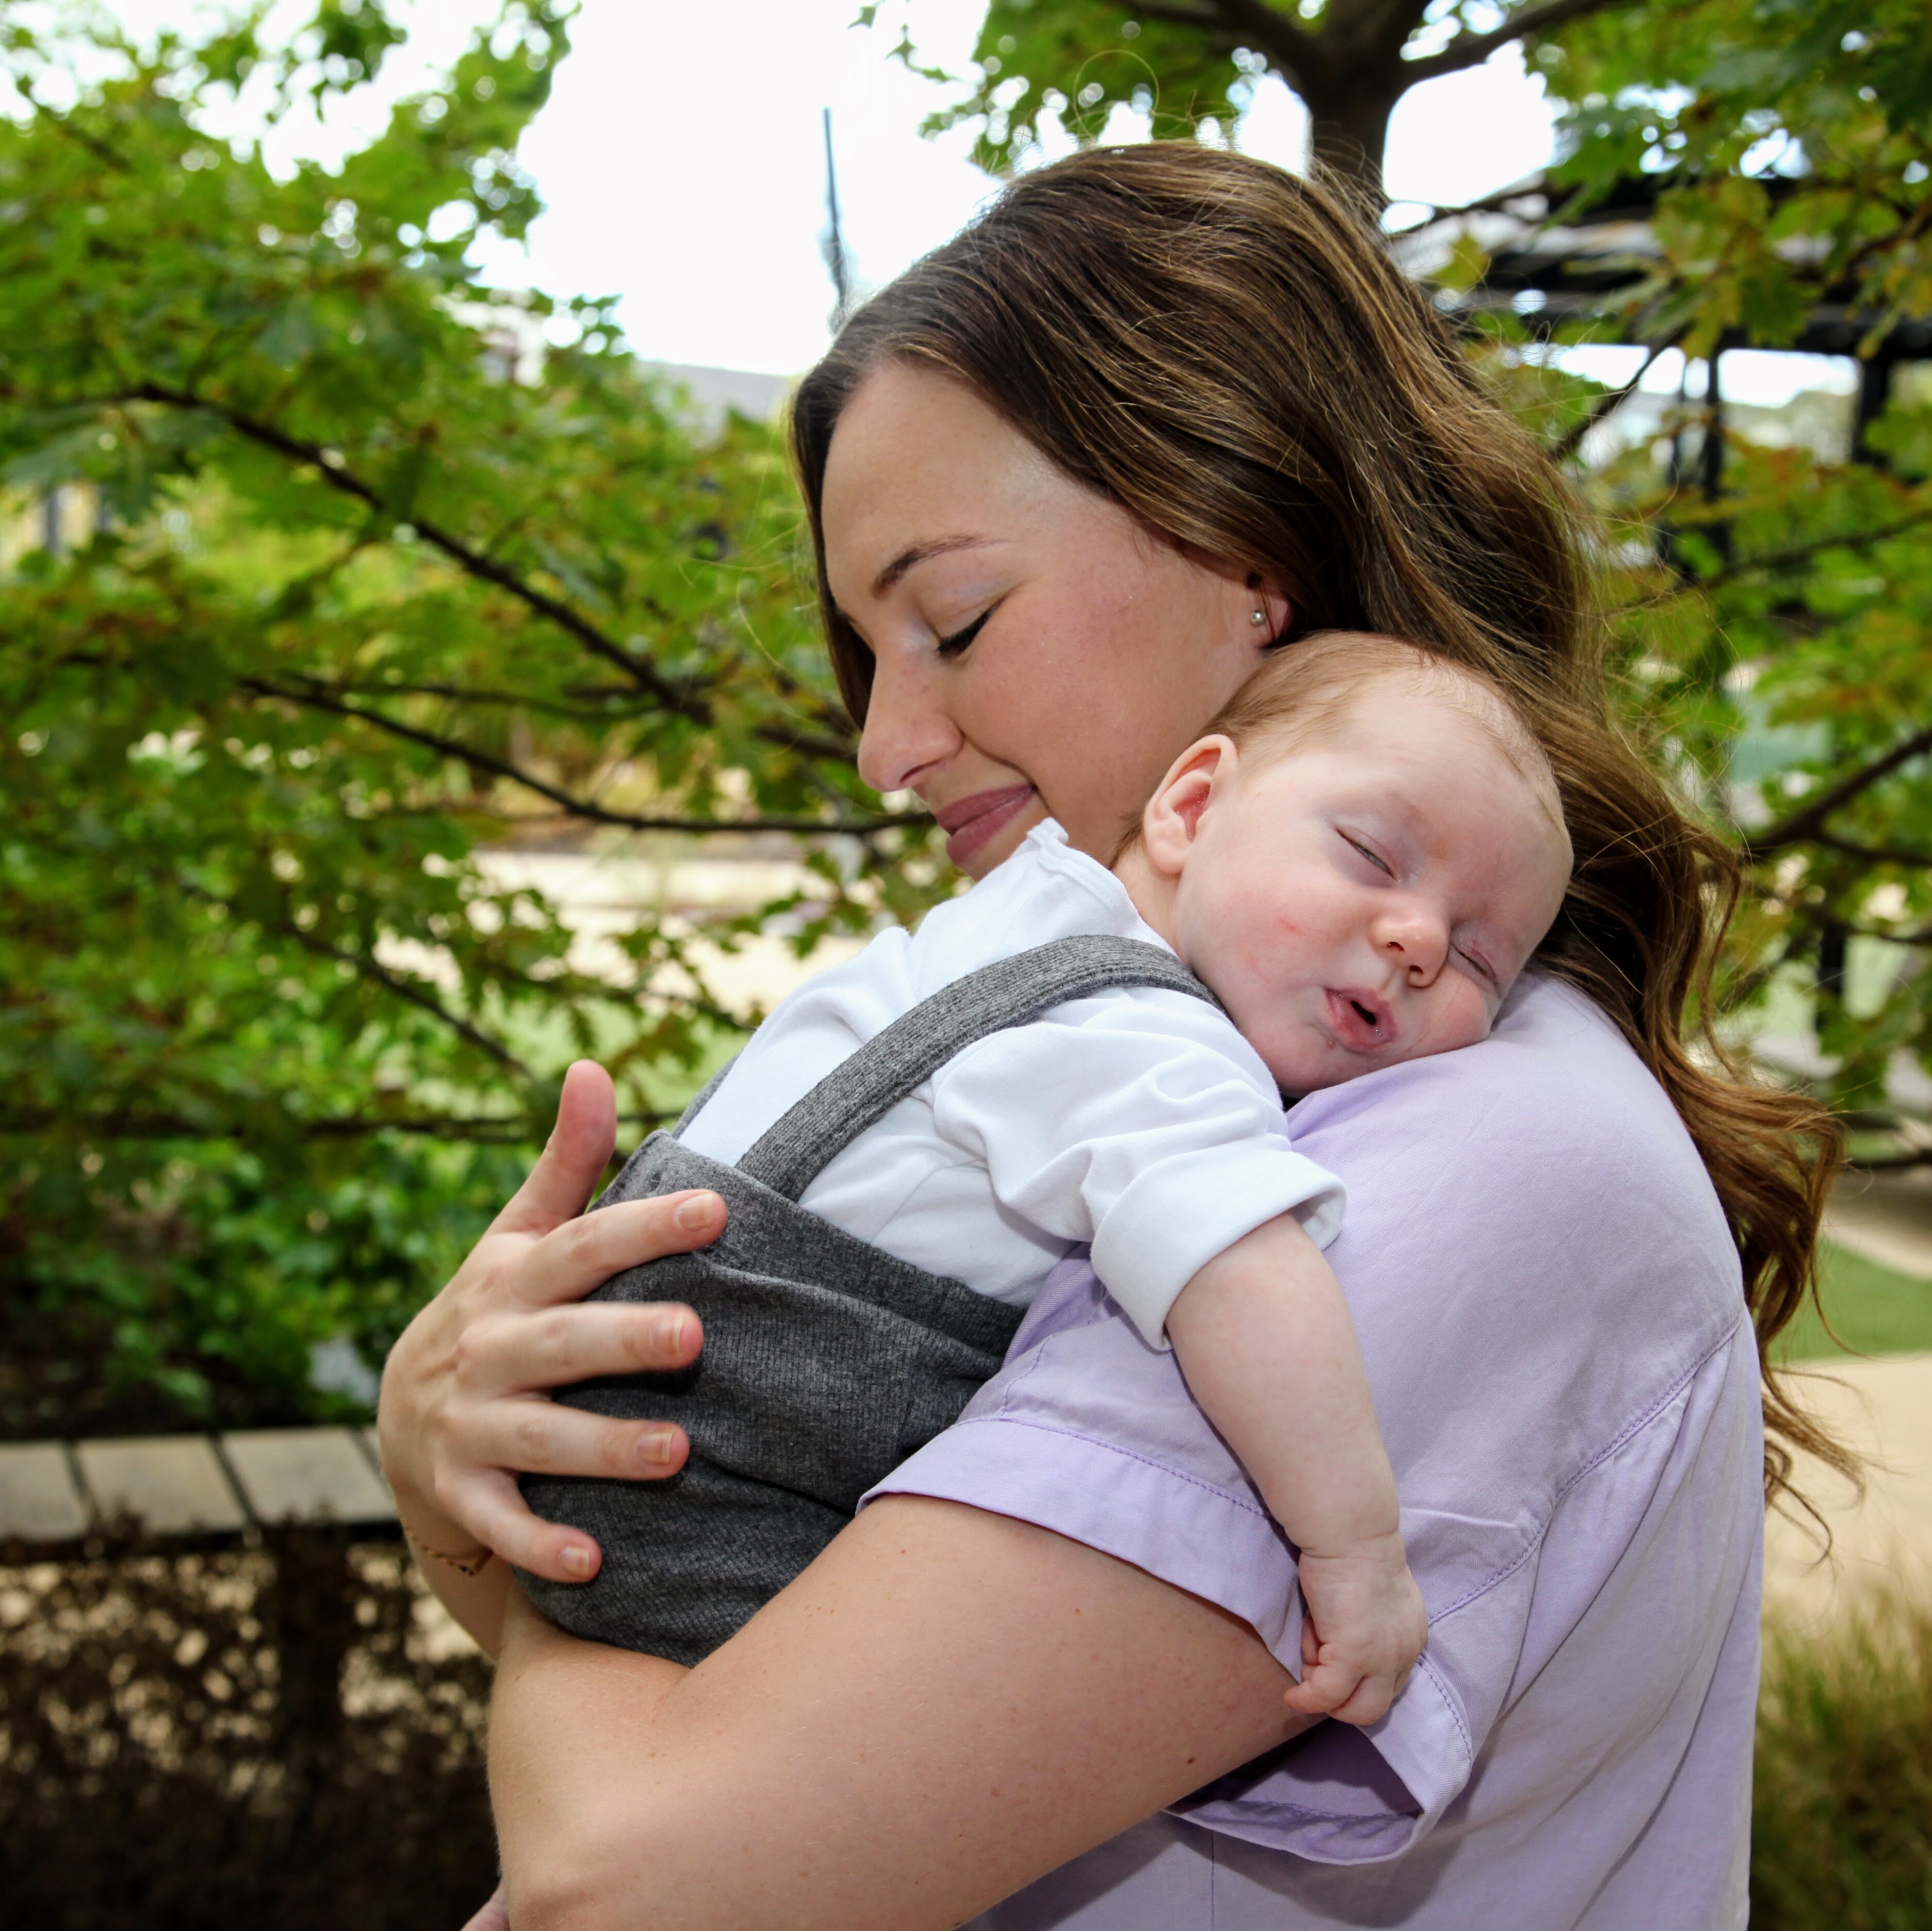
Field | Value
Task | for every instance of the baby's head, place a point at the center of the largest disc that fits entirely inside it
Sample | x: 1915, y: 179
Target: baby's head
x: 1358, y: 858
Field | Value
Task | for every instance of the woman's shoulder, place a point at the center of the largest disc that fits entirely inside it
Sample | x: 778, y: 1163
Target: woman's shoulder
x: 1555, y: 1088
x: 1529, y: 1214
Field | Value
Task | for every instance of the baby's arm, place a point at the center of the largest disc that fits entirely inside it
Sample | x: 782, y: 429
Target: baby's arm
x: 1263, y: 1335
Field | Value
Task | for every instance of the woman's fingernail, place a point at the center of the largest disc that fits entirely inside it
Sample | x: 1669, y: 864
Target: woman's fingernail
x: 668, y: 1334
x: 655, y: 1448
x: 697, y: 1212
x: 576, y: 1559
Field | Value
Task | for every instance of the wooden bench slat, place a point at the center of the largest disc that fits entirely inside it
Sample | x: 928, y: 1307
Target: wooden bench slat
x: 173, y: 1485
x: 306, y: 1474
x: 38, y: 1500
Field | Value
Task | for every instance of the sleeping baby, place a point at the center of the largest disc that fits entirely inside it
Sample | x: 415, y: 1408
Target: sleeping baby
x: 1347, y: 870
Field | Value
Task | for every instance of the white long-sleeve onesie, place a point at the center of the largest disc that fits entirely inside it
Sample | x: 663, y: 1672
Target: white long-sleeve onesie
x: 1137, y: 1121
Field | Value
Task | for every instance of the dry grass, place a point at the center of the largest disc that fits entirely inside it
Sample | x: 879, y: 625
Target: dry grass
x: 1842, y: 1822
x: 198, y: 1742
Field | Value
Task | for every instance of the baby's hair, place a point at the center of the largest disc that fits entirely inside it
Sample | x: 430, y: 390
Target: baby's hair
x: 1306, y: 689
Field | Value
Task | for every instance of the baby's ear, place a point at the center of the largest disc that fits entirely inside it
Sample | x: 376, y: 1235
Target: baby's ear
x: 1172, y: 821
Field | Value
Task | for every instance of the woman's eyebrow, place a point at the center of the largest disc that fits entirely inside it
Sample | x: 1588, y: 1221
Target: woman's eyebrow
x: 918, y: 552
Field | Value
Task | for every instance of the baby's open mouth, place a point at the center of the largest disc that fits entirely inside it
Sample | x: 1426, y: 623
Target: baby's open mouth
x: 1360, y: 1020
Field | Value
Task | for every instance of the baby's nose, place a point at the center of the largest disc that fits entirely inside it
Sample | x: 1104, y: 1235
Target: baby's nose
x: 1419, y: 941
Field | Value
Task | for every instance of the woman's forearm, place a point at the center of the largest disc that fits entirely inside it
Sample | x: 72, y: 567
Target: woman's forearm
x: 564, y: 1716
x: 945, y: 1706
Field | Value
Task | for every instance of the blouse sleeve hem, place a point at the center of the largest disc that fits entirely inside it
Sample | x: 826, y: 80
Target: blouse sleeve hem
x: 1219, y: 1546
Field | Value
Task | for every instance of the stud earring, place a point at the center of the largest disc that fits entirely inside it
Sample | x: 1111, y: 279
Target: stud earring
x: 1258, y: 616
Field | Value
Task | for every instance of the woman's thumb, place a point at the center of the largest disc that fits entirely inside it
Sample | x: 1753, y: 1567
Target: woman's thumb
x: 574, y: 1158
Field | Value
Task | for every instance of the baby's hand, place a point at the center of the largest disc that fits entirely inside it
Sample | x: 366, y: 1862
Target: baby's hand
x: 1364, y: 1627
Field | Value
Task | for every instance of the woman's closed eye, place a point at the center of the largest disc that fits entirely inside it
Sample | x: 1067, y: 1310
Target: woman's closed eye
x: 961, y: 640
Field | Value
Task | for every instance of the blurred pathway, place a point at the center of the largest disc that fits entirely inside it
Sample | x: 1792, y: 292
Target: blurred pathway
x: 1887, y: 1217
x: 1883, y: 1408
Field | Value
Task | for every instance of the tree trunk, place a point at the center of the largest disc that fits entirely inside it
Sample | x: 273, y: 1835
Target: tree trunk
x: 1346, y: 138
x: 1349, y: 73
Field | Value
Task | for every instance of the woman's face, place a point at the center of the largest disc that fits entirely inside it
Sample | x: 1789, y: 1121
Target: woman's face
x: 1035, y: 652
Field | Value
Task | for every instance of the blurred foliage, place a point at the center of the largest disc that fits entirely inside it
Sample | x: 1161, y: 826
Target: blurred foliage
x: 385, y: 568
x: 265, y: 1735
x: 1841, y: 1824
x: 1073, y: 62
x: 382, y: 567
x: 1789, y: 141
x: 1773, y: 605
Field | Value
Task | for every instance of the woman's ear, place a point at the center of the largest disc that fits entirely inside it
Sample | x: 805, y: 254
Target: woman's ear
x: 1273, y: 605
x: 1171, y: 822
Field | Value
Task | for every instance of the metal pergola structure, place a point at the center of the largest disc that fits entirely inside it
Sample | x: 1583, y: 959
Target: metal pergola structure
x: 1551, y: 266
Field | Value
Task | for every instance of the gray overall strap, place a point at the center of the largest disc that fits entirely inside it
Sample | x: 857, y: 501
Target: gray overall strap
x: 902, y: 1057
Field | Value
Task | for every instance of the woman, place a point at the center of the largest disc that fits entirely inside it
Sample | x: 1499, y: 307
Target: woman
x: 1054, y: 474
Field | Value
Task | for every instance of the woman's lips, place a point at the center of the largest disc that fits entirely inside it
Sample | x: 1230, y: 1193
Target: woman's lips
x: 1360, y: 1020
x: 968, y: 822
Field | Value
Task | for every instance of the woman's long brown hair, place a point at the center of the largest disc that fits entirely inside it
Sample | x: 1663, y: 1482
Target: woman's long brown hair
x: 1227, y: 352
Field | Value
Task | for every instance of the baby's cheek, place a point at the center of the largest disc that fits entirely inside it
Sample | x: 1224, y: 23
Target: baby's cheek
x: 1464, y: 1019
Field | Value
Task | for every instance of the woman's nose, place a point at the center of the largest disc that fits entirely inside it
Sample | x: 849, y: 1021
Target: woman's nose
x: 908, y: 730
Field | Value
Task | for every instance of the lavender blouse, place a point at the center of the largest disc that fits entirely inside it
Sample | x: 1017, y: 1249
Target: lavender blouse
x: 1548, y: 1304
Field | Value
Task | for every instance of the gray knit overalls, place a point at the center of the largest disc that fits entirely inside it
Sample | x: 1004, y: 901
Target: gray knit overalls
x: 827, y: 1360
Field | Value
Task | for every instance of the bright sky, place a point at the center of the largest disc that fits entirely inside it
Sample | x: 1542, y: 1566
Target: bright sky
x: 704, y: 204
x: 682, y: 158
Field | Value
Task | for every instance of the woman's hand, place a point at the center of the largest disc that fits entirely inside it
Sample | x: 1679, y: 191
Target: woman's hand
x: 465, y: 1403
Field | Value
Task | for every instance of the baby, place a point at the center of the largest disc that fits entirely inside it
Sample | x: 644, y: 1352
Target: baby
x: 1356, y: 860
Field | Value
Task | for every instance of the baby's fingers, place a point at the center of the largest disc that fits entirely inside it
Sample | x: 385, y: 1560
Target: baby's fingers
x: 1325, y: 1688
x: 1368, y: 1703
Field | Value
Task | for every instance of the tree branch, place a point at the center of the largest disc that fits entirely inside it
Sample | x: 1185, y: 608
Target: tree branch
x: 65, y: 124
x: 1923, y: 937
x: 1608, y: 404
x: 1287, y: 44
x: 1801, y: 552
x: 588, y: 709
x: 378, y: 974
x: 1876, y: 854
x: 683, y: 700
x: 318, y: 698
x: 1208, y: 20
x: 1893, y: 1163
x: 1776, y: 559
x: 1472, y: 49
x: 679, y: 699
x: 1804, y: 825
